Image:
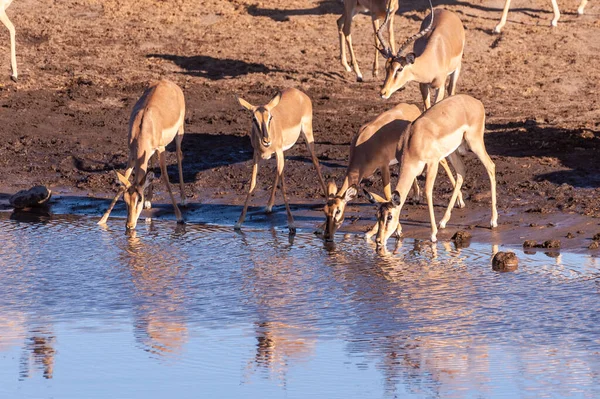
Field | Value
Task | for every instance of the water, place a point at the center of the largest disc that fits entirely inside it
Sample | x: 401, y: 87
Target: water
x: 199, y: 311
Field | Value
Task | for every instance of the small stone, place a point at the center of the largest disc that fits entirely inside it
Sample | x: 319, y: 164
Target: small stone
x: 505, y: 262
x: 533, y: 224
x: 596, y: 237
x: 462, y: 239
x: 570, y: 235
x: 34, y: 197
x: 594, y: 245
x: 551, y: 244
x: 579, y: 231
x: 530, y: 244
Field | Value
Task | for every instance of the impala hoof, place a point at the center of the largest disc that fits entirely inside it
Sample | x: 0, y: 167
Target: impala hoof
x: 493, y: 224
x: 359, y: 78
x: 434, y: 238
x: 498, y: 30
x: 181, y: 221
x: 554, y: 23
x: 292, y: 229
x: 237, y: 226
x: 269, y: 209
x: 13, y: 78
x: 442, y: 225
x: 460, y: 204
x: 147, y: 205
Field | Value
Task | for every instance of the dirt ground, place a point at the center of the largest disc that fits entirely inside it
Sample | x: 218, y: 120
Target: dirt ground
x: 83, y: 64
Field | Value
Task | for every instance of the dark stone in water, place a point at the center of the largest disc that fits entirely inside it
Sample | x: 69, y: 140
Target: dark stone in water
x: 35, y: 196
x: 530, y: 244
x: 551, y: 244
x: 596, y: 237
x: 594, y: 245
x: 505, y: 262
x: 462, y: 239
x: 570, y: 235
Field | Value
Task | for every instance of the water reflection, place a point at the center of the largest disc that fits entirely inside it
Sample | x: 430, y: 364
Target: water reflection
x: 421, y: 320
x: 158, y: 309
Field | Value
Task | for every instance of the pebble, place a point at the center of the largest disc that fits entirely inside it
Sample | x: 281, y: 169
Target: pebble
x: 505, y: 262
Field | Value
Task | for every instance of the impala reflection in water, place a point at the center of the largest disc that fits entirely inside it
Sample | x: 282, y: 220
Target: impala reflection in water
x: 174, y: 311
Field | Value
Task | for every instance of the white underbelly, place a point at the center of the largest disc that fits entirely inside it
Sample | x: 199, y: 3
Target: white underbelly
x: 169, y: 134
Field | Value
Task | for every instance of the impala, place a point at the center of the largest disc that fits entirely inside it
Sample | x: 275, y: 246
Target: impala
x: 437, y: 54
x: 11, y: 29
x: 554, y: 22
x: 374, y: 147
x: 379, y: 9
x: 275, y: 129
x: 157, y: 118
x: 454, y: 124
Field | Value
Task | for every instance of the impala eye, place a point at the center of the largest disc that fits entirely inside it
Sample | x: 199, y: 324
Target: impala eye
x: 389, y: 217
x: 337, y: 212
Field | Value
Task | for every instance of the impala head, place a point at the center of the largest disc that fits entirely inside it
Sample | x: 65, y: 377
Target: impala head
x: 334, y: 208
x: 398, y: 67
x: 134, y: 199
x: 261, y: 120
x: 388, y: 216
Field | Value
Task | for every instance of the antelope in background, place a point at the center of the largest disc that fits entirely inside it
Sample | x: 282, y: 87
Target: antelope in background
x: 157, y: 118
x: 374, y: 147
x: 554, y: 22
x: 378, y: 9
x: 275, y: 129
x: 455, y: 124
x: 11, y: 29
x: 437, y: 54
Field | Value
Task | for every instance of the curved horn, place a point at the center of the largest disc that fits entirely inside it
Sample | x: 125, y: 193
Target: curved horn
x: 386, y: 51
x: 418, y: 35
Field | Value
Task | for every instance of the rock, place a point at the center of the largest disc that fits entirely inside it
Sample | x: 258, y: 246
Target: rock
x: 596, y: 237
x: 530, y: 244
x: 35, y: 196
x: 462, y: 239
x: 570, y: 235
x: 505, y: 262
x: 594, y: 245
x: 551, y: 244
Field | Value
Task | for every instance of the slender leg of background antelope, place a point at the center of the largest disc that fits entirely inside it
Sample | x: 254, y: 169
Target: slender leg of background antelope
x: 343, y: 59
x: 376, y: 59
x: 354, y: 61
x: 581, y: 7
x: 114, y: 201
x: 461, y: 203
x: 439, y: 93
x: 502, y: 22
x: 271, y: 202
x: 432, y: 169
x: 460, y: 173
x: 556, y: 13
x: 453, y: 79
x: 280, y: 165
x: 238, y: 225
x: 424, y: 87
x: 13, y: 52
x: 307, y: 131
x: 165, y: 176
x: 178, y: 140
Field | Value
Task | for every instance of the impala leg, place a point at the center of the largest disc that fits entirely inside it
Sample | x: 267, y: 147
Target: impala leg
x: 581, y: 7
x: 372, y: 232
x: 359, y: 76
x: 439, y: 93
x: 432, y: 169
x: 376, y: 59
x: 119, y: 193
x: 475, y: 142
x: 424, y: 87
x: 460, y: 173
x: 502, y: 22
x: 238, y: 225
x: 416, y: 192
x: 307, y: 131
x: 280, y: 165
x: 269, y: 207
x: 162, y: 160
x: 556, y: 13
x: 13, y: 52
x: 453, y: 80
x: 343, y: 59
x: 461, y: 203
x: 178, y: 140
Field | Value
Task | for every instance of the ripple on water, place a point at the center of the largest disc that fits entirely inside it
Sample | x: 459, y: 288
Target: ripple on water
x: 258, y: 312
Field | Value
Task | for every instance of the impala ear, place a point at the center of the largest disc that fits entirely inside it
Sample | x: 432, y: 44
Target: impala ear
x: 124, y: 182
x: 410, y: 58
x: 245, y: 104
x: 351, y: 193
x: 331, y: 189
x: 273, y: 103
x: 374, y: 198
x: 396, y: 198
